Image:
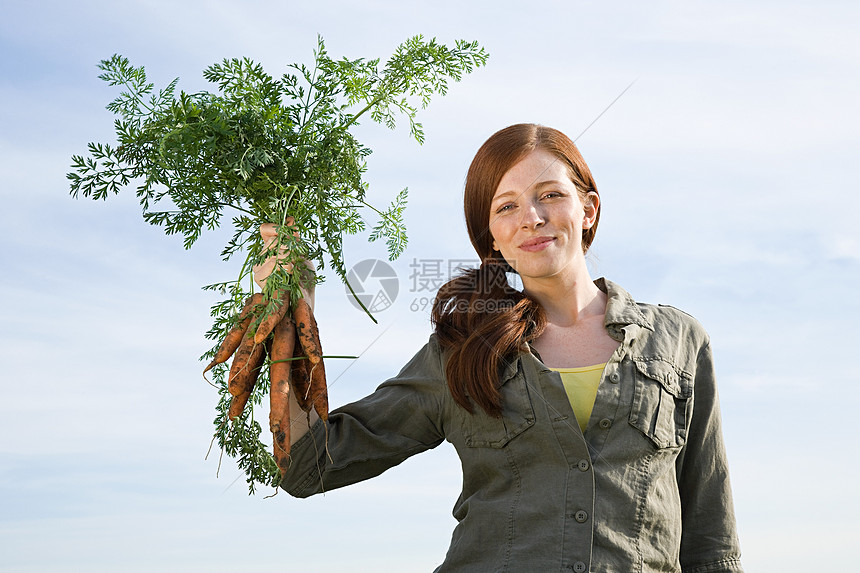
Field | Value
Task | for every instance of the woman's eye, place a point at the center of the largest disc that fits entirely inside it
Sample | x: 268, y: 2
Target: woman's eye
x: 504, y: 208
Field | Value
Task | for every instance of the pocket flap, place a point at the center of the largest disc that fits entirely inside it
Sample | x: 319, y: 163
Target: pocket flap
x: 665, y: 373
x: 480, y: 430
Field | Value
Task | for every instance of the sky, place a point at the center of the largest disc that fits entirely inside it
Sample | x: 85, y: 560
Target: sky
x: 728, y: 178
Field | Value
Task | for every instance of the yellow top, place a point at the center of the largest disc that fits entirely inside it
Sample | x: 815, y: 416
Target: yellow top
x: 581, y: 387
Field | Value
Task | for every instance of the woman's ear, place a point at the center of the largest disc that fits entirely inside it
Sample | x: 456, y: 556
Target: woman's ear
x: 590, y: 206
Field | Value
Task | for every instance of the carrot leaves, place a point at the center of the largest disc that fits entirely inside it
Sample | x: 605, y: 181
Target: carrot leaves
x: 263, y: 149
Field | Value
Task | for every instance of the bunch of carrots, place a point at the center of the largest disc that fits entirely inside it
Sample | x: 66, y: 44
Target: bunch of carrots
x: 290, y: 338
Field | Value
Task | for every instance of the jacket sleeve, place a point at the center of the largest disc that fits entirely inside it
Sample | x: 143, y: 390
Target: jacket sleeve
x: 709, y: 541
x: 363, y: 439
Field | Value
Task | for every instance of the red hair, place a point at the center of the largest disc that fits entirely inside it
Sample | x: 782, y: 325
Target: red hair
x: 481, y: 322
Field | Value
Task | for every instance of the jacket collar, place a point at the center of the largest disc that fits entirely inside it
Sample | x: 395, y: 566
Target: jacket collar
x: 621, y: 309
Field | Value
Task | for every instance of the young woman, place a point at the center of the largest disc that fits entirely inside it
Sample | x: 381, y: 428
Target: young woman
x: 587, y: 424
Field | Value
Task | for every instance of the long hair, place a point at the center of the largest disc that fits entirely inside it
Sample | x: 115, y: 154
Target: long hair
x: 481, y: 322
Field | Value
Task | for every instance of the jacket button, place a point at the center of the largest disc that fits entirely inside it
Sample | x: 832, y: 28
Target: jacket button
x: 581, y: 516
x: 583, y: 465
x: 605, y: 423
x: 580, y: 567
x: 614, y: 377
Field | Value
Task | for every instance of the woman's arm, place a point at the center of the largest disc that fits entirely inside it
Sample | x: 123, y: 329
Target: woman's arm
x: 363, y: 439
x: 709, y: 540
x: 403, y: 417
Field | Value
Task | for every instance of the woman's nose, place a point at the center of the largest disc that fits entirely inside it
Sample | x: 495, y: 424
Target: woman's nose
x: 533, y: 216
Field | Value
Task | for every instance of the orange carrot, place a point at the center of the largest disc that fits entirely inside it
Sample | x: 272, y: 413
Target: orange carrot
x: 247, y: 357
x: 248, y: 378
x: 234, y: 337
x: 237, y: 405
x: 300, y: 378
x: 268, y: 323
x: 283, y: 343
x: 319, y: 390
x: 306, y: 328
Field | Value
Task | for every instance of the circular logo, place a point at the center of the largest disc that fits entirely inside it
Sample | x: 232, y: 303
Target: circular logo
x: 375, y: 284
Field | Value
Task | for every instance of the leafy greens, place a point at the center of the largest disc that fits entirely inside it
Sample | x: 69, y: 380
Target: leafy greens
x: 265, y: 149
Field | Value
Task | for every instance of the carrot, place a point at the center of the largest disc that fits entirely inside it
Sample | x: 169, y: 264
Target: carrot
x: 234, y: 337
x: 319, y: 391
x: 237, y: 405
x: 306, y: 328
x: 248, y: 356
x: 248, y: 379
x: 300, y: 378
x: 283, y: 343
x: 309, y: 337
x: 268, y: 323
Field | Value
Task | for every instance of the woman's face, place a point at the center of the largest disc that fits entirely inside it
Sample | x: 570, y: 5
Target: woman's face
x: 537, y: 217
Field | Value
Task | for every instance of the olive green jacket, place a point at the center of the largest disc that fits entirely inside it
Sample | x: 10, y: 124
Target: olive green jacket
x: 645, y: 489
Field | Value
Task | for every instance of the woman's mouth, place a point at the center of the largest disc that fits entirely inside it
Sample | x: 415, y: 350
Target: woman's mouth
x: 536, y: 244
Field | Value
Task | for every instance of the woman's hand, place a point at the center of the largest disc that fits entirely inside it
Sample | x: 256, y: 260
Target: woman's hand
x: 269, y: 233
x: 300, y: 421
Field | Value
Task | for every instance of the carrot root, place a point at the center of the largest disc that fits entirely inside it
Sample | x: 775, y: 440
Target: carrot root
x: 300, y: 379
x: 283, y: 345
x: 319, y: 391
x: 242, y: 383
x: 308, y: 333
x: 233, y: 339
x: 272, y: 320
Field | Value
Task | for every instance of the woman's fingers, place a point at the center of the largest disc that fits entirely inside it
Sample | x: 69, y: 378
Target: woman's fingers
x: 262, y: 272
x: 269, y: 233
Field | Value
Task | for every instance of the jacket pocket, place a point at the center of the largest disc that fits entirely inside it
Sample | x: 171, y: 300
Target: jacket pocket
x: 482, y: 431
x: 661, y: 402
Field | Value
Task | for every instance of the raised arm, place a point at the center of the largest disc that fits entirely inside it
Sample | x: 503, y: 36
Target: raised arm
x: 403, y: 417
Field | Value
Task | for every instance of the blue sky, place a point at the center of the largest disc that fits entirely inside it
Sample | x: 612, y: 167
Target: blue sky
x: 729, y: 185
